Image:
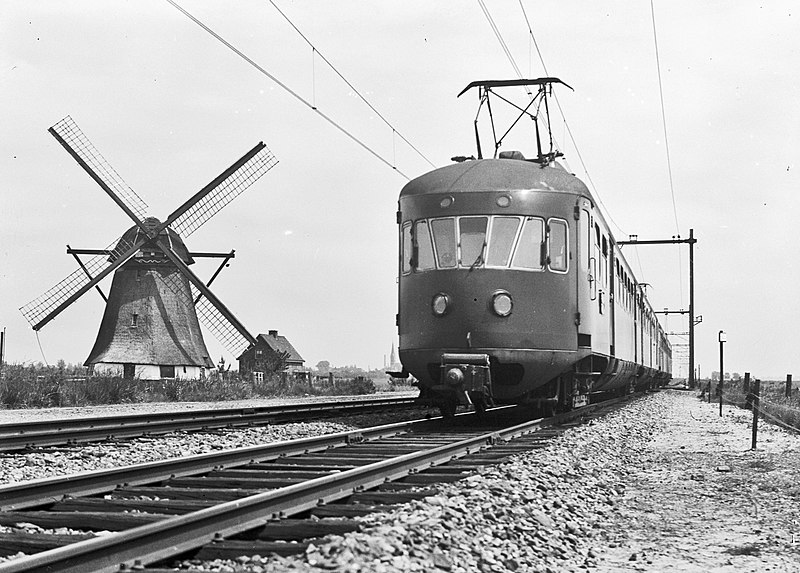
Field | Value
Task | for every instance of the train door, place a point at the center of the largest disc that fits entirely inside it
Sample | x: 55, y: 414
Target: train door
x: 612, y: 300
x: 587, y: 273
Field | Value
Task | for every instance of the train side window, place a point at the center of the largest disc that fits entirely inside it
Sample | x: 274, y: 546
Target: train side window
x: 501, y: 241
x: 406, y: 249
x: 444, y: 238
x: 557, y: 245
x: 472, y: 240
x: 424, y: 257
x: 528, y: 254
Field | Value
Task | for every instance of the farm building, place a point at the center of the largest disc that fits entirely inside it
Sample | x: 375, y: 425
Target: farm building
x: 271, y: 353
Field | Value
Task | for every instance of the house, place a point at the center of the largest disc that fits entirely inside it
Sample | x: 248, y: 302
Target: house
x: 271, y: 353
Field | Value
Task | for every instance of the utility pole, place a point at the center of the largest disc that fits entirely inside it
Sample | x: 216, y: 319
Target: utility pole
x: 677, y: 240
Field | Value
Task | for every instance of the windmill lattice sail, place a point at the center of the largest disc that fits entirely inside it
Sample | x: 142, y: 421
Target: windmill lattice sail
x: 208, y: 314
x: 225, y: 192
x: 78, y: 145
x: 38, y: 308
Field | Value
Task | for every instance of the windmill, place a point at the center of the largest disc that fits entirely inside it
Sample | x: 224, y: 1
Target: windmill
x: 150, y: 325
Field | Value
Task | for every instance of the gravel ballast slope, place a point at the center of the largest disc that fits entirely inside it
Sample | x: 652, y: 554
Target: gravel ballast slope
x: 643, y: 489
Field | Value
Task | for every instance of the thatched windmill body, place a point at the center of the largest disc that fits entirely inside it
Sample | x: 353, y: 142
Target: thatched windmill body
x: 150, y: 327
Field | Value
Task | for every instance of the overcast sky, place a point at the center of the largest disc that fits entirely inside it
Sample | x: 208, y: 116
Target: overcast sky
x: 170, y: 107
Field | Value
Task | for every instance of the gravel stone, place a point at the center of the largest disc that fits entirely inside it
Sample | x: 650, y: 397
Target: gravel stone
x: 619, y: 493
x: 593, y: 499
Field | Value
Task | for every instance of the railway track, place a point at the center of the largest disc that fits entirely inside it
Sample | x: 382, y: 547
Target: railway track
x: 253, y: 500
x: 43, y: 433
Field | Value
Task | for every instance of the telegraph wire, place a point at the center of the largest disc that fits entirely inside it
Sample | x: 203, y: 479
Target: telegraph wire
x: 351, y: 86
x: 286, y: 88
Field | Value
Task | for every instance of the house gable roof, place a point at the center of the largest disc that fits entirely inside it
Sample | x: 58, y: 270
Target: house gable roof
x: 278, y: 343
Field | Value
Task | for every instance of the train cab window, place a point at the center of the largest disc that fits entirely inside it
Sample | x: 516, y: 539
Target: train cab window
x: 472, y: 240
x: 504, y: 231
x: 424, y: 247
x: 557, y: 245
x: 444, y: 237
x: 407, y: 249
x: 528, y: 254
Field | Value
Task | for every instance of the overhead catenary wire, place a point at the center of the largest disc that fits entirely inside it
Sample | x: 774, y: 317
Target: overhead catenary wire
x: 286, y: 88
x: 316, y: 52
x: 566, y: 124
x: 666, y: 144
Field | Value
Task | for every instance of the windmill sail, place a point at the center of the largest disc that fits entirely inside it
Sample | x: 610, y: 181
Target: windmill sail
x: 69, y: 135
x: 43, y: 306
x: 224, y: 189
x: 209, y: 315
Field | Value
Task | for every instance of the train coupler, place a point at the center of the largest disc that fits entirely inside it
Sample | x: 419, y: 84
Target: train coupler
x: 467, y: 374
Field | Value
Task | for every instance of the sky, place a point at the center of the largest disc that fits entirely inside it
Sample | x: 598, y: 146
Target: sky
x: 170, y: 107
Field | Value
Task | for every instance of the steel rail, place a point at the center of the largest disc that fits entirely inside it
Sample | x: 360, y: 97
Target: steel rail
x: 79, y: 430
x: 34, y: 493
x: 154, y: 542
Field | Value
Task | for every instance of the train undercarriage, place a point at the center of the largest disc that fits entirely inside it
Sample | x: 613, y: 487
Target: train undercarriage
x: 480, y: 380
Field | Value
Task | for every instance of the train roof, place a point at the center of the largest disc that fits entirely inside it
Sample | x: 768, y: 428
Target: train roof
x: 495, y: 175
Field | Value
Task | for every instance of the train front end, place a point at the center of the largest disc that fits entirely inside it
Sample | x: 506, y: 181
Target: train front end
x: 487, y: 280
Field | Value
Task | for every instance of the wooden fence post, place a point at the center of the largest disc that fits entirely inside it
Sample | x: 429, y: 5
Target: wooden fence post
x: 748, y: 396
x: 756, y: 396
x: 788, y: 385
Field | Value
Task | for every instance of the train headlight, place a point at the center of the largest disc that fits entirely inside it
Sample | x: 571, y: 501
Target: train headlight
x: 502, y: 303
x: 440, y: 304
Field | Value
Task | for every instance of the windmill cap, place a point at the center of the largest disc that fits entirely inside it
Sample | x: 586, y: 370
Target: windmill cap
x: 151, y: 224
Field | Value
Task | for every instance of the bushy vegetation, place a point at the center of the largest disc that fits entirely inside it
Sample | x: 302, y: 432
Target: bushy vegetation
x: 40, y: 386
x: 773, y: 403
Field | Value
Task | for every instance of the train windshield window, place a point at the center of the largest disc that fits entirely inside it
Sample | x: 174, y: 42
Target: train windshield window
x: 444, y: 237
x: 504, y: 231
x: 558, y: 245
x: 424, y: 259
x: 472, y: 240
x: 528, y: 254
x: 407, y: 248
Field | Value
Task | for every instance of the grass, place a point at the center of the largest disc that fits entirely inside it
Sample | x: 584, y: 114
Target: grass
x: 39, y: 386
x: 774, y: 402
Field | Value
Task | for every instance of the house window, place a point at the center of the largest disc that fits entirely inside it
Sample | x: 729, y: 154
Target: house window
x: 167, y: 371
x: 258, y: 376
x: 134, y: 319
x: 259, y: 353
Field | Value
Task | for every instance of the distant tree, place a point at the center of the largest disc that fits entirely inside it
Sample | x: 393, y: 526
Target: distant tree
x: 736, y: 376
x: 351, y: 371
x: 323, y: 366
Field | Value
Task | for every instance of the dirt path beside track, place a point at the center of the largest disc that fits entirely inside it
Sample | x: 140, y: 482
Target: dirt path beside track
x: 698, y: 499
